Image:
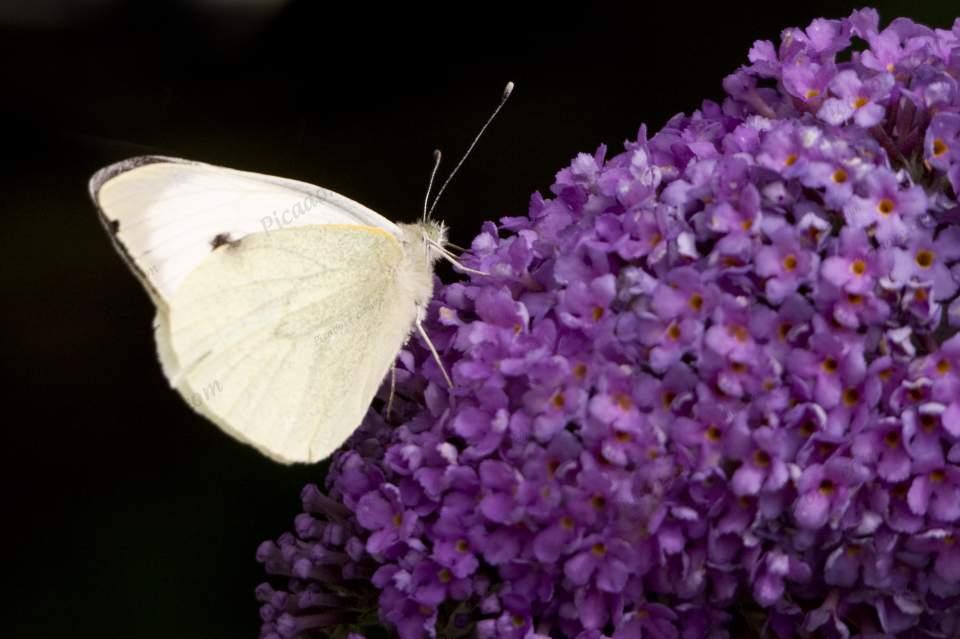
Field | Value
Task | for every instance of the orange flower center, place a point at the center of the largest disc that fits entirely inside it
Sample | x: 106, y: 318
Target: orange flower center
x: 939, y: 147
x: 943, y: 367
x: 938, y: 476
x: 599, y: 550
x: 559, y: 401
x: 784, y: 330
x: 597, y: 313
x: 860, y: 102
x: 790, y: 262
x: 839, y: 176
x: 552, y: 467
x: 827, y: 487
x: 713, y: 433
x: 739, y: 333
x: 674, y: 332
x: 892, y: 439
x: 792, y: 159
x: 811, y: 93
x: 924, y: 258
x: 696, y: 301
x: 761, y: 458
x: 623, y: 401
x: 731, y: 261
x: 668, y: 398
x: 851, y: 396
x: 829, y: 365
x: 885, y: 206
x: 859, y: 267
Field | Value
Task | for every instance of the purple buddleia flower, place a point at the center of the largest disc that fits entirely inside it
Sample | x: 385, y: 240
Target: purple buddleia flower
x: 883, y: 444
x: 383, y: 513
x: 856, y: 98
x: 785, y: 264
x: 884, y: 207
x: 925, y: 260
x: 771, y: 572
x: 432, y: 584
x: 826, y: 491
x: 936, y: 492
x: 707, y: 387
x: 605, y: 561
x: 648, y: 620
x: 942, y: 146
x: 807, y: 80
x: 730, y: 335
x: 763, y: 467
x: 858, y: 265
x: 923, y: 433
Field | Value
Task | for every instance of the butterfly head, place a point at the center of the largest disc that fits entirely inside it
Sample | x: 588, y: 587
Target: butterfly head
x: 434, y: 237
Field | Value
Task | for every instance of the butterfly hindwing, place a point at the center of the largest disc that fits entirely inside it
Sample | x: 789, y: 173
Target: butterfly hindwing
x: 283, y: 338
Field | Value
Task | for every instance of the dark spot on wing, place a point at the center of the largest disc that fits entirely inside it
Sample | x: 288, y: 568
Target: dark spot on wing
x: 114, y: 226
x: 220, y: 239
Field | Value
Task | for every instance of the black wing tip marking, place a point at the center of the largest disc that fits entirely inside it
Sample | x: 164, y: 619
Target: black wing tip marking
x: 112, y: 227
x: 111, y: 171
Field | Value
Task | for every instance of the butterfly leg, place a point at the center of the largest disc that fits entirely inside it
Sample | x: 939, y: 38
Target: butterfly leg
x: 433, y: 351
x: 450, y: 257
x: 393, y: 387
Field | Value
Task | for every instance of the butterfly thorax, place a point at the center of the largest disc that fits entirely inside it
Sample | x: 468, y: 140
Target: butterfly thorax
x: 422, y: 244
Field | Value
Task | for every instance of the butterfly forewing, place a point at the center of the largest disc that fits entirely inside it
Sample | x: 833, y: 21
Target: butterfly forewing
x: 166, y: 215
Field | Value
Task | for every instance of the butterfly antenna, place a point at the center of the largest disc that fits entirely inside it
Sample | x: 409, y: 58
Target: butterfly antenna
x: 503, y: 100
x: 433, y: 175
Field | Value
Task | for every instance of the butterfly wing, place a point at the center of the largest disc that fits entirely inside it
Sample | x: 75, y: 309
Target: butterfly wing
x: 165, y: 215
x: 283, y: 338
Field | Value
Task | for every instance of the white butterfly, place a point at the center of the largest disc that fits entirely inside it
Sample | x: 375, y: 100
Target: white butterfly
x: 281, y: 306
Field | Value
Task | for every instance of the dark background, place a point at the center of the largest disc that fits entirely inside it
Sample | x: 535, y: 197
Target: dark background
x: 130, y: 515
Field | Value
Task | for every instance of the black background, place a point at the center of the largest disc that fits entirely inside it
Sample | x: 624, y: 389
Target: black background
x: 130, y: 515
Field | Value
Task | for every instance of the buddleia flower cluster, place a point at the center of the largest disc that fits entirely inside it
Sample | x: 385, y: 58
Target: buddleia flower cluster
x: 707, y: 389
